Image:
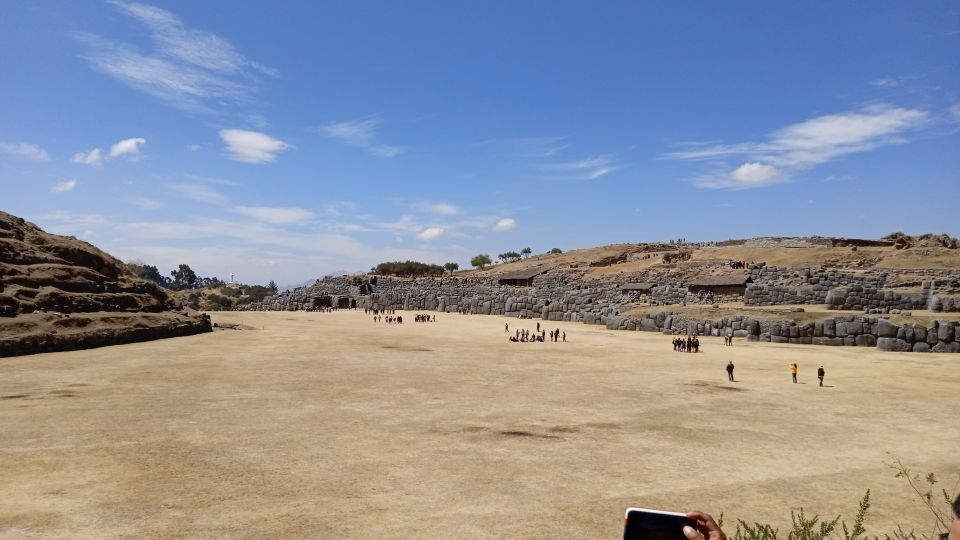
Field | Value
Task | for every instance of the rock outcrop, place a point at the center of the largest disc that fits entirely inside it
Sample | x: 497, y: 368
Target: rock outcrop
x: 59, y: 293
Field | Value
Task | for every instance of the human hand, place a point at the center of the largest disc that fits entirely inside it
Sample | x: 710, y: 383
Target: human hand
x: 706, y: 528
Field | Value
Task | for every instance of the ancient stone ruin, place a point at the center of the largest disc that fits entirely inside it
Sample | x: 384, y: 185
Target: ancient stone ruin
x: 565, y: 294
x: 58, y: 293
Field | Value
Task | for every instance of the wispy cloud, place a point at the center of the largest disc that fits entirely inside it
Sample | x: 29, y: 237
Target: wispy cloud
x: 803, y: 145
x: 201, y: 193
x: 252, y: 146
x: 28, y: 151
x: 276, y: 215
x: 361, y: 133
x: 590, y: 168
x: 147, y: 203
x: 528, y: 147
x: 439, y: 208
x: 190, y: 69
x: 64, y: 186
x: 955, y: 112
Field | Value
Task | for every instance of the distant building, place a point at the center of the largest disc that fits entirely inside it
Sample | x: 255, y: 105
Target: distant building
x: 521, y: 278
x: 732, y: 284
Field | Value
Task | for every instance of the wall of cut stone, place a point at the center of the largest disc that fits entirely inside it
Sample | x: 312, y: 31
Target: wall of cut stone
x: 604, y: 304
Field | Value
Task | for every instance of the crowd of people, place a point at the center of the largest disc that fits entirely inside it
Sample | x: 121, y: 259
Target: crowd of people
x: 736, y: 265
x: 389, y: 319
x: 527, y: 336
x: 424, y: 317
x: 691, y: 344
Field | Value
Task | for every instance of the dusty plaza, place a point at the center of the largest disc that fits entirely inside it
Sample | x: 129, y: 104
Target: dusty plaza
x: 328, y: 425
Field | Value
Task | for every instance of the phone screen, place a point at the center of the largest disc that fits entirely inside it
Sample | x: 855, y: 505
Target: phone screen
x: 653, y: 525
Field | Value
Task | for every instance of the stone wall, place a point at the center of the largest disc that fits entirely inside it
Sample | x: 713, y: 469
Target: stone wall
x: 849, y: 330
x: 602, y: 303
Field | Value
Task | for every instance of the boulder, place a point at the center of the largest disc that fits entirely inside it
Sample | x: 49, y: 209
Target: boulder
x: 946, y: 331
x: 829, y: 328
x: 893, y: 345
x: 921, y: 347
x: 866, y: 340
x: 886, y: 329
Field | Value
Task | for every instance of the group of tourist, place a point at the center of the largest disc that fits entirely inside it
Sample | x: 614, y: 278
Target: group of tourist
x: 423, y: 317
x: 368, y: 311
x: 821, y: 373
x: 728, y: 341
x: 736, y: 265
x: 526, y: 336
x: 389, y: 319
x: 691, y: 344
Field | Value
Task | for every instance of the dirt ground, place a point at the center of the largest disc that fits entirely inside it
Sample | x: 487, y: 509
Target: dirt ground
x: 326, y: 425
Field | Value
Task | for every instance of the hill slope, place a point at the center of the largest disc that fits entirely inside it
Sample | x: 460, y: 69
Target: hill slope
x: 59, y: 293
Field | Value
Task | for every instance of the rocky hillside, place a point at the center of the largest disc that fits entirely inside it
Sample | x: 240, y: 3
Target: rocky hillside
x: 59, y: 293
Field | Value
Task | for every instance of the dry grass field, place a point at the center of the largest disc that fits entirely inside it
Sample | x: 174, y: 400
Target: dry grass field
x: 326, y: 425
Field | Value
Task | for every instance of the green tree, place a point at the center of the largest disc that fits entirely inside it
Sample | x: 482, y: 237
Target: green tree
x: 451, y: 267
x: 184, y: 277
x: 526, y: 252
x: 481, y: 260
x: 556, y: 251
x: 408, y: 268
x: 272, y: 286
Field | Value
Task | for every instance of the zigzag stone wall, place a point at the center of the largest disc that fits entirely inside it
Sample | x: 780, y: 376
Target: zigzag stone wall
x: 602, y: 303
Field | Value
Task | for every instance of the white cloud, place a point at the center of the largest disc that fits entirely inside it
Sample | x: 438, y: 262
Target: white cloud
x: 590, y: 168
x: 194, y: 147
x: 200, y: 192
x: 361, y: 133
x: 430, y: 233
x: 28, y: 151
x: 189, y: 69
x: 505, y: 224
x: 806, y: 144
x: 64, y: 186
x: 252, y: 146
x: 128, y: 147
x: 748, y: 175
x: 439, y: 208
x: 280, y: 216
x: 93, y: 158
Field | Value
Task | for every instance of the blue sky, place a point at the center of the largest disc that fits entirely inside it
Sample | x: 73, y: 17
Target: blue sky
x: 287, y: 140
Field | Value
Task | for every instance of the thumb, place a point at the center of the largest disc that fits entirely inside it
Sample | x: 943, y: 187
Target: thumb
x: 691, y: 533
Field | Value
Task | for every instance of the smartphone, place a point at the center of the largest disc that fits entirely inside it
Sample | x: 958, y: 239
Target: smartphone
x: 646, y: 524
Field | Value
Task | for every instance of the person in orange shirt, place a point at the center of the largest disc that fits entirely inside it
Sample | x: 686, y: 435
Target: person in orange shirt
x: 793, y: 372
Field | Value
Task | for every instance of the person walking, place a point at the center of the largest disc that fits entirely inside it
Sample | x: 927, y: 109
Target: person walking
x: 793, y: 372
x: 730, y: 371
x: 820, y: 374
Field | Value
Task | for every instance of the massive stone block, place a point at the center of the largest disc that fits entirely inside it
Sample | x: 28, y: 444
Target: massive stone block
x: 946, y: 332
x: 886, y: 329
x: 893, y: 345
